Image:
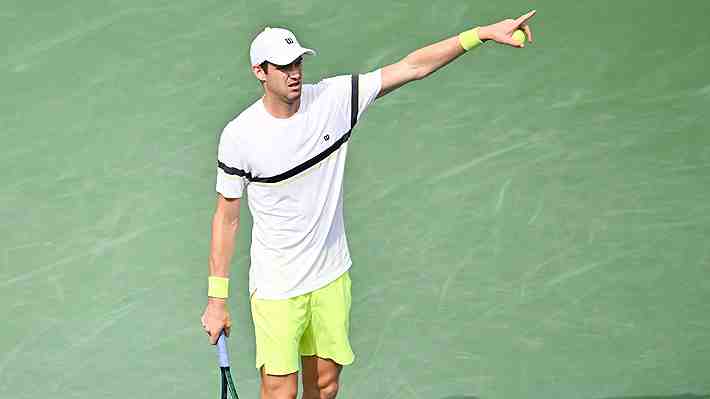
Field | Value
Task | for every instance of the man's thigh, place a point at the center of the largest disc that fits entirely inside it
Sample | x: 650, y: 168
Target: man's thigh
x: 278, y: 328
x: 327, y: 335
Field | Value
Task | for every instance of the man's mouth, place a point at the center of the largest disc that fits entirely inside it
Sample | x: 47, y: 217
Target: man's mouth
x: 294, y: 84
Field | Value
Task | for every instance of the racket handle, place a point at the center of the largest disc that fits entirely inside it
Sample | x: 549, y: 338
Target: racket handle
x: 222, y: 354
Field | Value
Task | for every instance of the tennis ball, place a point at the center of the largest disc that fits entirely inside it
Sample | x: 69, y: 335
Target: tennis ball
x: 519, y: 37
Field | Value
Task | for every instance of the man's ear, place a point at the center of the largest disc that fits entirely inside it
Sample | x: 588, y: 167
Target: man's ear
x: 259, y: 72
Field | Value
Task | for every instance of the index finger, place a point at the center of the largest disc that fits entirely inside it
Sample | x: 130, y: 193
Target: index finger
x: 523, y: 19
x: 214, y: 336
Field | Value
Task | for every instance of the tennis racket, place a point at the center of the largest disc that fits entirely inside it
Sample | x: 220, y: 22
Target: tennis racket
x: 228, y: 388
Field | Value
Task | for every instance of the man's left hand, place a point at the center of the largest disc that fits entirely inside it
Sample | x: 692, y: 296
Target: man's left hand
x: 502, y: 32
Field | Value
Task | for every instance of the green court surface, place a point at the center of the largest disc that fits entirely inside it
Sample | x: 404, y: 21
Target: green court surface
x: 524, y: 224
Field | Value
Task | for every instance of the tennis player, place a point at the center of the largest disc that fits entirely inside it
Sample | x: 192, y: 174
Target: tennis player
x: 287, y: 152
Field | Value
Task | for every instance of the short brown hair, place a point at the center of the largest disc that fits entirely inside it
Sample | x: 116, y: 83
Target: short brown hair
x: 264, y: 65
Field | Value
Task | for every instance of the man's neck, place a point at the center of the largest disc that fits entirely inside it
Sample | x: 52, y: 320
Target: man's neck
x: 278, y: 107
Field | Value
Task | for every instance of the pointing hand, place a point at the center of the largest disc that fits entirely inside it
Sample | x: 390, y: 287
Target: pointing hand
x: 502, y: 32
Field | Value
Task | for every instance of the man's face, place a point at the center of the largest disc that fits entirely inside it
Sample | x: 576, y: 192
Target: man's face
x: 285, y: 81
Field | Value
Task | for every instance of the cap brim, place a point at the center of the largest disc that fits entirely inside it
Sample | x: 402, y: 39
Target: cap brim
x: 285, y: 59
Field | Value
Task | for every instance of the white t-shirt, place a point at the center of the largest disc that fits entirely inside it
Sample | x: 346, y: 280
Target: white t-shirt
x: 292, y: 170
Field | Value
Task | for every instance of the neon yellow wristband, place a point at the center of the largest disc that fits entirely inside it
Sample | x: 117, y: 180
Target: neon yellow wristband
x: 217, y: 287
x: 469, y: 39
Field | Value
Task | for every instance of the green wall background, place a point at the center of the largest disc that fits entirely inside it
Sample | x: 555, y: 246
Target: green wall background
x: 524, y: 223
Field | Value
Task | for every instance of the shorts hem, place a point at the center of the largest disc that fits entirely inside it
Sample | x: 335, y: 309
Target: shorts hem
x: 341, y: 360
x: 277, y: 372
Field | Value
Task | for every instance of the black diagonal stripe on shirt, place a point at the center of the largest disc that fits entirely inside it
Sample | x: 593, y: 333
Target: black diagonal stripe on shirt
x: 354, y: 105
x: 233, y: 171
x: 306, y: 165
x: 313, y: 161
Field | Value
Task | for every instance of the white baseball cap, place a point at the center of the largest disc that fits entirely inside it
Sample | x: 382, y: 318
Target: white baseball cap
x: 276, y: 45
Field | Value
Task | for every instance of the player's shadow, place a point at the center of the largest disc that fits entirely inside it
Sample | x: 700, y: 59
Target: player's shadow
x: 683, y: 396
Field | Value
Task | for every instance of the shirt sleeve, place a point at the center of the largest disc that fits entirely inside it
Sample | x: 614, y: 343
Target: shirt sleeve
x: 339, y: 90
x: 369, y: 86
x: 231, y: 166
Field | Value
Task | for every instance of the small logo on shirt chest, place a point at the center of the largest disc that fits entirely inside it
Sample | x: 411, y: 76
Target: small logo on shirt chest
x: 326, y: 137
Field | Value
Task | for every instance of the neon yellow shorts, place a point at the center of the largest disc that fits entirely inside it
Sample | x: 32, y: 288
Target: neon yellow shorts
x: 313, y: 324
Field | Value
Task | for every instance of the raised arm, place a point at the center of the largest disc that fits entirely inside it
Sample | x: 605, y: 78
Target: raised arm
x: 427, y: 60
x: 225, y: 225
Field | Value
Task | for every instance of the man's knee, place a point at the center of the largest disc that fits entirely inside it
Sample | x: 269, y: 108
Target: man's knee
x: 328, y: 390
x: 275, y: 391
x: 323, y: 390
x: 279, y: 387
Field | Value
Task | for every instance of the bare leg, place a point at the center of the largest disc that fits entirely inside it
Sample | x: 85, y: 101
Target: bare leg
x: 279, y: 386
x: 321, y: 377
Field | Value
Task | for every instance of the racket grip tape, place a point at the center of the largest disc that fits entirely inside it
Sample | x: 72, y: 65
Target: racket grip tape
x: 222, y: 354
